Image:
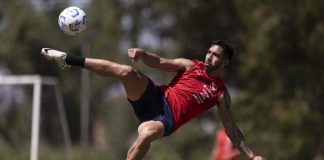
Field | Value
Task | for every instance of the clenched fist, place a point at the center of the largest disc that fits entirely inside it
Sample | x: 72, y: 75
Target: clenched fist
x: 135, y: 53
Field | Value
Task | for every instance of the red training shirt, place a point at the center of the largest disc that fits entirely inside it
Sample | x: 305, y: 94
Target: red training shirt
x: 192, y: 92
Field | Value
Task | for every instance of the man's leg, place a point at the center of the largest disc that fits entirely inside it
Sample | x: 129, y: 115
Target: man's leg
x: 147, y: 133
x: 133, y: 81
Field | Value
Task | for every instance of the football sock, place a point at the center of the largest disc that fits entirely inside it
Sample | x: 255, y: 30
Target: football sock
x: 74, y: 60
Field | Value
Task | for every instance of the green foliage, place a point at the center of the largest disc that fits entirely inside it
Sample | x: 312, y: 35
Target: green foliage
x: 277, y: 71
x: 281, y: 76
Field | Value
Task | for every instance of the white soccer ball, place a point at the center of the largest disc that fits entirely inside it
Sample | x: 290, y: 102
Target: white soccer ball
x: 72, y: 20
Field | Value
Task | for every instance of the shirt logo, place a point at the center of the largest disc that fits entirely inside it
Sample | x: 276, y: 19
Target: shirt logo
x: 206, y: 93
x: 198, y: 72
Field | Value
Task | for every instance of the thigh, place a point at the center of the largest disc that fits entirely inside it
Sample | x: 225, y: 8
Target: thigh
x: 133, y: 81
x: 134, y: 84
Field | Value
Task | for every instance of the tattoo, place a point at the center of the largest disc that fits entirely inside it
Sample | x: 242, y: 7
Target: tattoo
x: 227, y: 99
x: 231, y: 129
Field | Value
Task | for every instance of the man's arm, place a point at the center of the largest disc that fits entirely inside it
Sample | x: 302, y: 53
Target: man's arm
x: 232, y: 131
x: 152, y: 60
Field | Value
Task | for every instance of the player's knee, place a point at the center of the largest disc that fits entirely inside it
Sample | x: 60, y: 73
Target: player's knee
x: 125, y: 71
x: 148, y: 135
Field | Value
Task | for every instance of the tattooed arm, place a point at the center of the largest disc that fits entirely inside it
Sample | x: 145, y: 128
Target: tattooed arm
x: 232, y: 131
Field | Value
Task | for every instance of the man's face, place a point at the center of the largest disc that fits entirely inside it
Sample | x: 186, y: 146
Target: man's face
x: 215, y: 58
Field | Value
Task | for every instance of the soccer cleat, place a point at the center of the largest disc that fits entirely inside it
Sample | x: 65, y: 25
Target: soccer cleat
x: 57, y: 56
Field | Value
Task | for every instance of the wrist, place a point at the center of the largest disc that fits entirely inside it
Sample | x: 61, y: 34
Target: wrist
x: 142, y: 54
x: 245, y: 149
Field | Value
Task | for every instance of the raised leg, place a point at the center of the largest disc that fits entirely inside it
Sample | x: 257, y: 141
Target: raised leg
x: 133, y: 81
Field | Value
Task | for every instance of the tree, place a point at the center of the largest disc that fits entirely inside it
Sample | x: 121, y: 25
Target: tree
x: 279, y: 71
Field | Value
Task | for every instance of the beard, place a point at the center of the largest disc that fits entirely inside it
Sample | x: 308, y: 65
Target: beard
x: 210, y: 67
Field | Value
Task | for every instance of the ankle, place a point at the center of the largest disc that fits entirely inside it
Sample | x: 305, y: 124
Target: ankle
x: 74, y: 60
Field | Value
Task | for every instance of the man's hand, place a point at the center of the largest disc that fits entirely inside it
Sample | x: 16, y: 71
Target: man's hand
x: 135, y: 53
x: 258, y: 158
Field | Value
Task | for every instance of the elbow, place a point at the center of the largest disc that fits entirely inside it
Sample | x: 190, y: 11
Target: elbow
x: 157, y: 63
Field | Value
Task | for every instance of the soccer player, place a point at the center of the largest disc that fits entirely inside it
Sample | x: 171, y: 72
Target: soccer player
x: 163, y: 109
x: 224, y: 149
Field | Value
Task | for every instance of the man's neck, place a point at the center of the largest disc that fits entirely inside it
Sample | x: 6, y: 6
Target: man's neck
x: 215, y: 73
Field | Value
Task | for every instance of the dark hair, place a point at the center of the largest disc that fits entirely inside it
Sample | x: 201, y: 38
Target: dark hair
x: 227, y: 48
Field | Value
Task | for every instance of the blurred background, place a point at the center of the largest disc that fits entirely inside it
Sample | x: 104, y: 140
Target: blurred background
x: 276, y: 77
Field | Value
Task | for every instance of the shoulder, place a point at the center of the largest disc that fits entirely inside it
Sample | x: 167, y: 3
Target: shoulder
x: 186, y: 63
x: 225, y: 97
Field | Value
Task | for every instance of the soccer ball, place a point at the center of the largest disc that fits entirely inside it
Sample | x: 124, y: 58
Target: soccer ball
x: 72, y: 20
